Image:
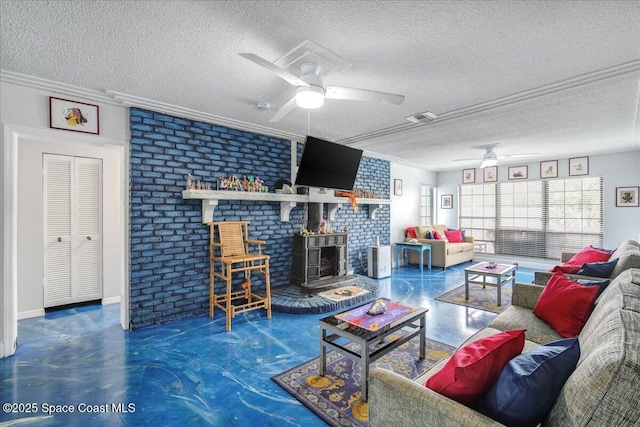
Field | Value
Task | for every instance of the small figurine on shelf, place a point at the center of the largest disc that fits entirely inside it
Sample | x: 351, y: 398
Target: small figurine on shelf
x: 222, y: 183
x: 189, y: 182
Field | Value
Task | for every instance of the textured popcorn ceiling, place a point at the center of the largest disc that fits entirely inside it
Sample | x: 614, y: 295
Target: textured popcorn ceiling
x: 555, y: 78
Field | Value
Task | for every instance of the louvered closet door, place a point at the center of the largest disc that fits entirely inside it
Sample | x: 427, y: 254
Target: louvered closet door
x: 57, y: 230
x: 73, y: 229
x: 87, y: 254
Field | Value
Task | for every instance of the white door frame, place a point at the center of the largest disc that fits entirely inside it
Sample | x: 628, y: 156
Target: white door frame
x: 11, y: 137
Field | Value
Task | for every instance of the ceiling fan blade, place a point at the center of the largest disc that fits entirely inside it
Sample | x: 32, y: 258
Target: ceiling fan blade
x: 284, y: 110
x: 519, y: 156
x: 280, y: 72
x: 466, y: 160
x: 354, y: 94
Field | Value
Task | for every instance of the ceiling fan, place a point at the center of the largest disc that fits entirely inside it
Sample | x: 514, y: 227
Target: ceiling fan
x: 490, y: 158
x: 311, y: 91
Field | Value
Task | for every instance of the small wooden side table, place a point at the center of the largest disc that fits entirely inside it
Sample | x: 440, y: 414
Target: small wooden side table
x: 420, y: 247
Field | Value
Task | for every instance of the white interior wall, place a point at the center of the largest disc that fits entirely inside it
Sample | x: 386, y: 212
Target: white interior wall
x: 31, y: 226
x: 405, y: 209
x: 24, y: 115
x: 617, y: 170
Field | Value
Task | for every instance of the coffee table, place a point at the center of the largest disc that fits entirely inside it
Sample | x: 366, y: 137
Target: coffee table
x: 336, y: 334
x: 483, y: 274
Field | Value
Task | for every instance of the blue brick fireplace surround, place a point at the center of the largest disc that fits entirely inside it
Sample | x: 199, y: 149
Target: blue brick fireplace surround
x: 169, y: 244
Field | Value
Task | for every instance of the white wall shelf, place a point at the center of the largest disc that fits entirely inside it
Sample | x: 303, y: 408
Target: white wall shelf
x: 287, y: 202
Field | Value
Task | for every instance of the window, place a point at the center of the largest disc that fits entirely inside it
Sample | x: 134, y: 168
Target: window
x: 520, y: 219
x: 574, y: 214
x: 426, y: 204
x: 533, y: 218
x: 478, y: 214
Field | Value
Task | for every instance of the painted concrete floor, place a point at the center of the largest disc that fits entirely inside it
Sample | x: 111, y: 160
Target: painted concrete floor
x: 191, y: 372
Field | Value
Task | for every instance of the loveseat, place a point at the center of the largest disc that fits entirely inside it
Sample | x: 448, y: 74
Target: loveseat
x: 602, y: 390
x: 443, y: 253
x: 627, y: 254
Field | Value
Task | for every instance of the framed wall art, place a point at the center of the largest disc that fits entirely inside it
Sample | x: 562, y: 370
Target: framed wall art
x: 627, y: 197
x: 446, y: 201
x: 549, y: 169
x: 579, y: 166
x: 518, y: 172
x: 74, y: 116
x: 468, y: 176
x: 397, y: 187
x: 490, y: 174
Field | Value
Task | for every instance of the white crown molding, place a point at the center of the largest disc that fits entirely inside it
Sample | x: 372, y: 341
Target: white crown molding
x: 126, y: 100
x: 570, y: 83
x: 134, y: 101
x: 55, y: 87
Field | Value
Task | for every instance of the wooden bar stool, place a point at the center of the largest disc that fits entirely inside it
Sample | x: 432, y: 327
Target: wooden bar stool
x: 231, y: 255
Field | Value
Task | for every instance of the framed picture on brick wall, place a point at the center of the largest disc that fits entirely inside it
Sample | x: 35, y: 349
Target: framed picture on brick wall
x: 74, y: 116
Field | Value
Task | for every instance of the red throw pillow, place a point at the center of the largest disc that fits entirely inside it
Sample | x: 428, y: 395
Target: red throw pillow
x: 473, y: 369
x: 565, y: 304
x: 589, y: 254
x: 454, y: 236
x: 436, y: 235
x: 410, y: 232
x: 565, y: 268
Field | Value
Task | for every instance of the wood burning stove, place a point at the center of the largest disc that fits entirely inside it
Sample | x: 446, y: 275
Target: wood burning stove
x: 317, y: 257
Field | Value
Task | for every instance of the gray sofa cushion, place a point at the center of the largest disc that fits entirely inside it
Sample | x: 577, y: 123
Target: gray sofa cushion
x: 537, y: 330
x: 608, y: 372
x: 601, y: 390
x: 628, y: 259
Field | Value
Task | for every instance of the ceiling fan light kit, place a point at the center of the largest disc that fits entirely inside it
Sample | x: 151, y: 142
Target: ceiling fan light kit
x: 488, y: 162
x: 309, y: 97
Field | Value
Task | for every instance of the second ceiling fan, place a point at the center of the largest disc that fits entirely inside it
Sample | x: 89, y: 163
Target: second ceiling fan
x: 311, y: 91
x: 490, y: 158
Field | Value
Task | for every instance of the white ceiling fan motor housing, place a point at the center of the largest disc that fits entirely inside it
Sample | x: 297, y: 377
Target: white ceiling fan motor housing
x: 312, y: 96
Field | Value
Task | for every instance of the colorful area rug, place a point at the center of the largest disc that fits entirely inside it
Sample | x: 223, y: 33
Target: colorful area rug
x: 479, y: 297
x: 342, y: 293
x: 335, y: 398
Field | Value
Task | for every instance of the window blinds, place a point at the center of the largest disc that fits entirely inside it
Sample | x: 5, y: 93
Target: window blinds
x: 534, y: 218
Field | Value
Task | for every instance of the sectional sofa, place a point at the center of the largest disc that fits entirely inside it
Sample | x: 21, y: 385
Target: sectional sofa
x: 603, y: 390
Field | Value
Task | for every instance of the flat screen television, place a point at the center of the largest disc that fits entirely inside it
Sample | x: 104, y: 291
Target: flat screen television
x: 326, y: 164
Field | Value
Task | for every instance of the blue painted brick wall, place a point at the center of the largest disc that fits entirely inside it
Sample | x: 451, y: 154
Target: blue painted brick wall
x: 169, y: 244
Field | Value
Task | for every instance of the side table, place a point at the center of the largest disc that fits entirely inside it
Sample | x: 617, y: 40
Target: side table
x: 420, y: 247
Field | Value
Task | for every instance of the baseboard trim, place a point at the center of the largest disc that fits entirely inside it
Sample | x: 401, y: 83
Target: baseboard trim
x: 112, y: 300
x: 31, y: 313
